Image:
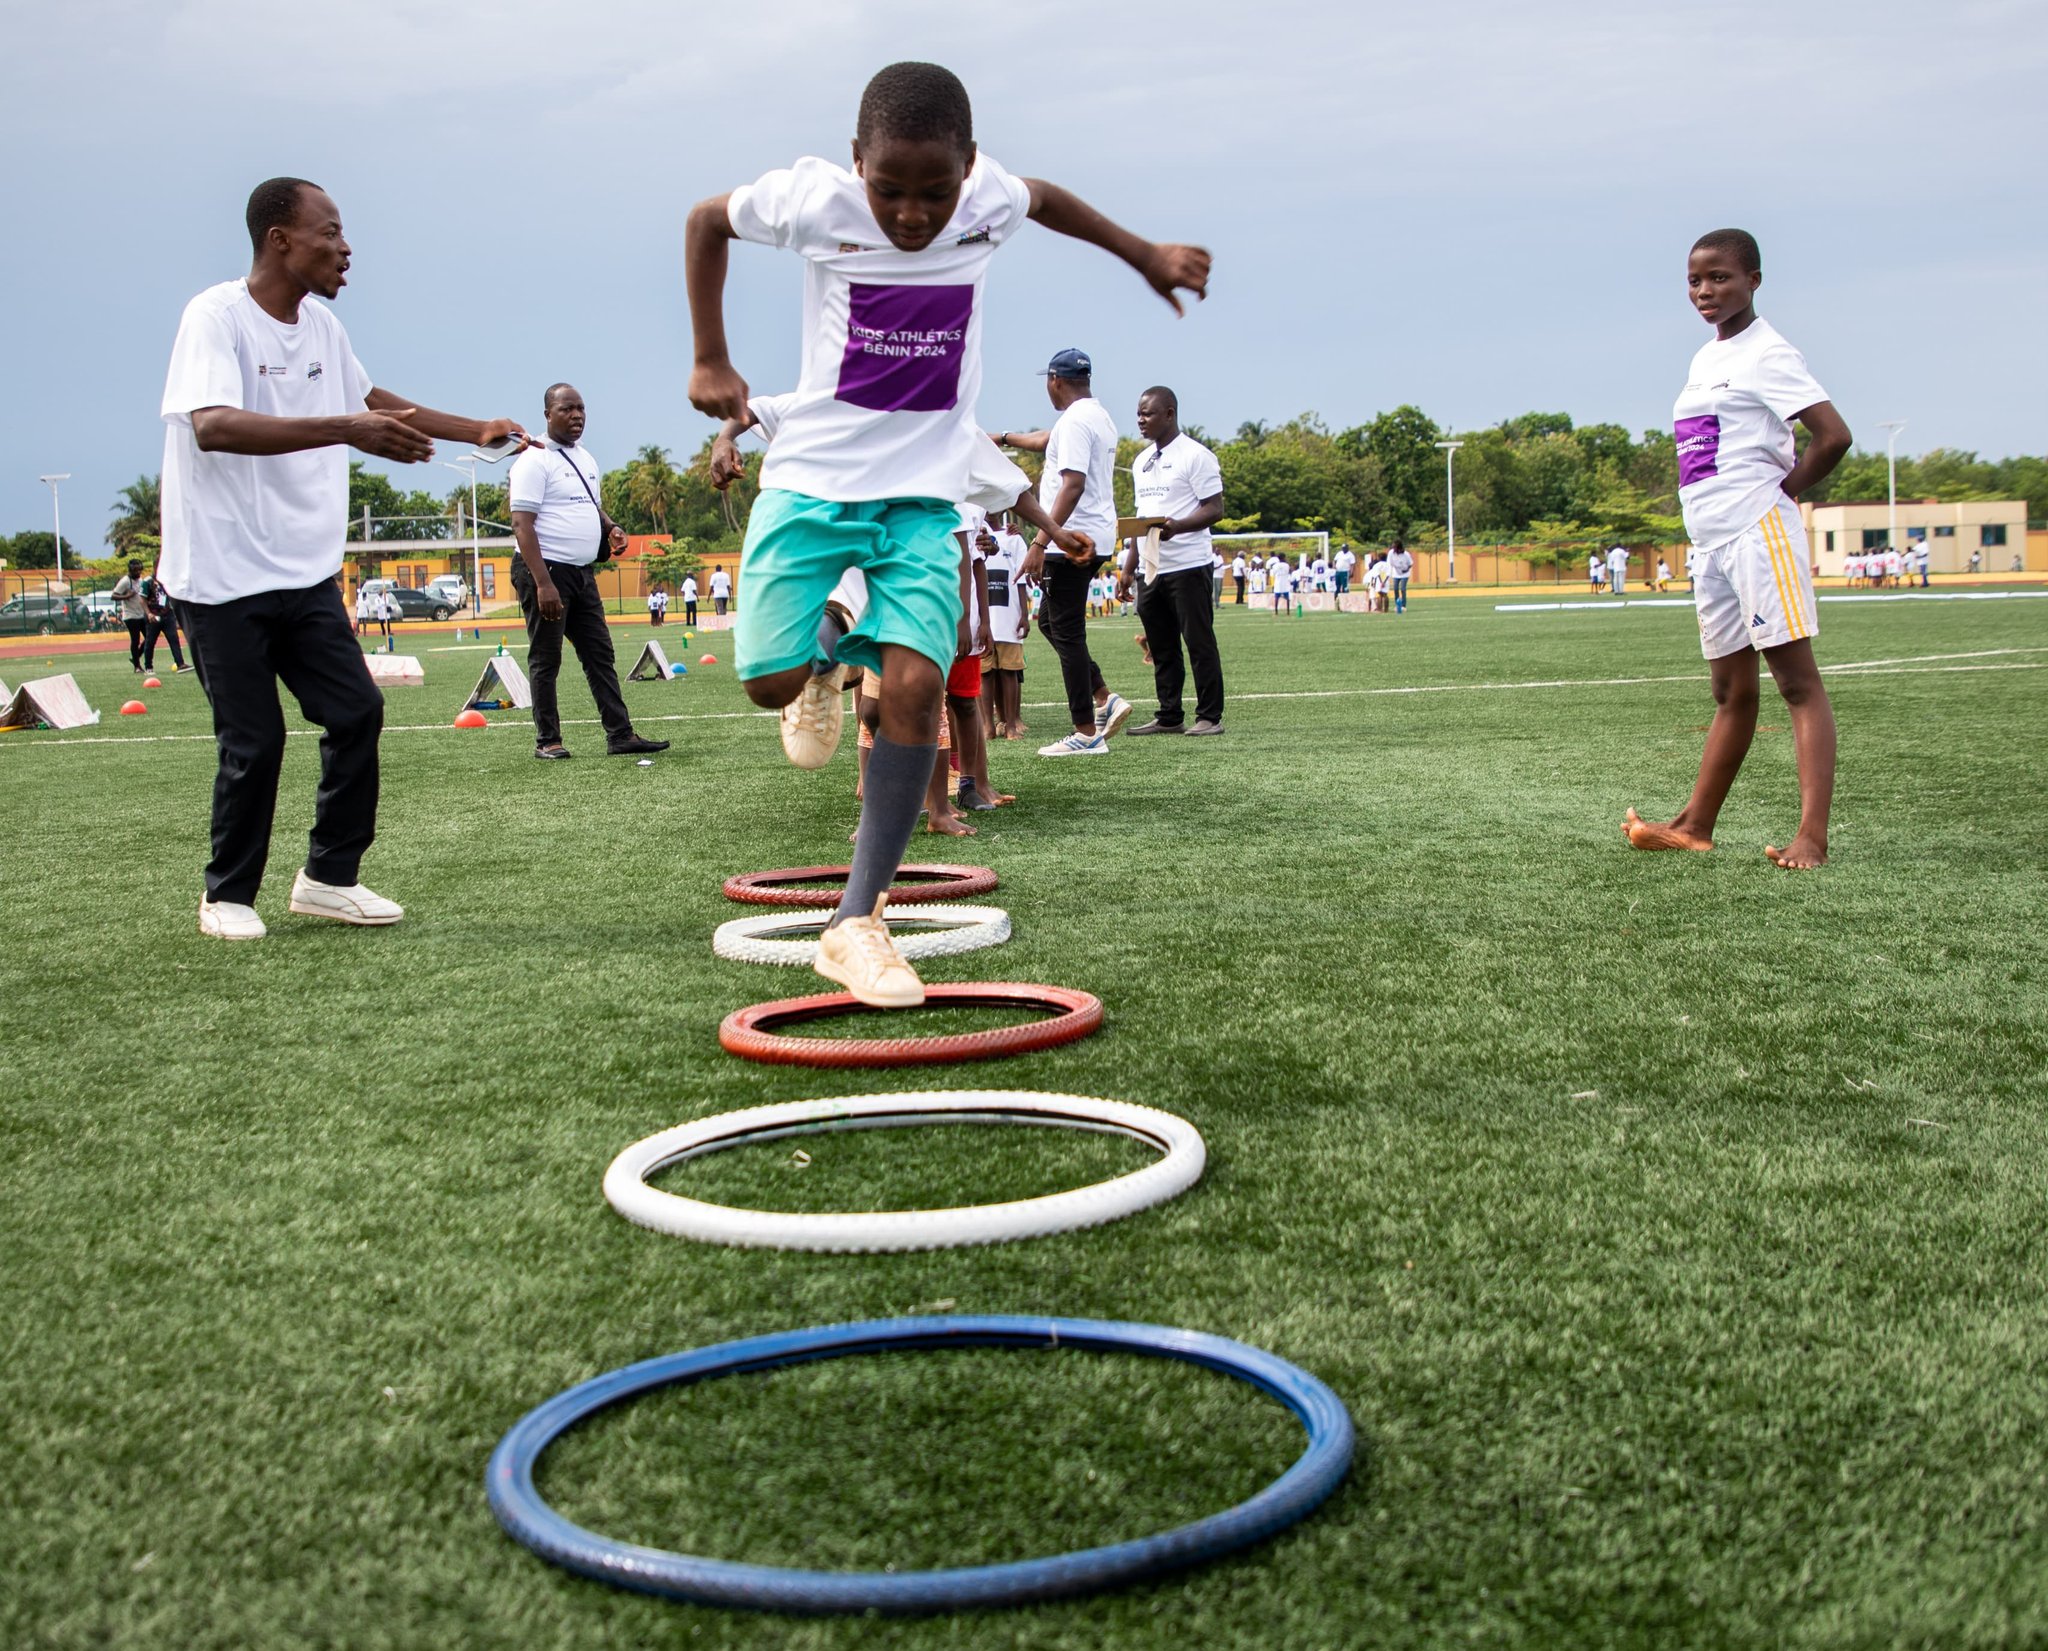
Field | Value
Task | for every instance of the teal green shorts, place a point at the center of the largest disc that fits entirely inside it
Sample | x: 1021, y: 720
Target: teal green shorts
x: 797, y: 549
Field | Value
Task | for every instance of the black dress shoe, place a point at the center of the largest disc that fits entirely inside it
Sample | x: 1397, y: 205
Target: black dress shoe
x: 552, y: 753
x: 635, y: 746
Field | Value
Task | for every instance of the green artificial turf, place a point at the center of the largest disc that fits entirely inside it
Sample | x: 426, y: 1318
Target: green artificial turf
x: 1672, y: 1225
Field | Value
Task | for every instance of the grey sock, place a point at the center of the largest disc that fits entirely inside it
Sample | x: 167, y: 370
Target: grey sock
x: 890, y: 799
x: 831, y: 632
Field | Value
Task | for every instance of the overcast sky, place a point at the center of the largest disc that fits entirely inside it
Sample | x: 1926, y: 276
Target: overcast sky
x: 1476, y: 206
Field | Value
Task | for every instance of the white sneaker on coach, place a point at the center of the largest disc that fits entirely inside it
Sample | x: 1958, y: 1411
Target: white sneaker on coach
x: 224, y: 920
x: 1111, y: 715
x: 811, y: 722
x: 353, y: 904
x: 1077, y: 745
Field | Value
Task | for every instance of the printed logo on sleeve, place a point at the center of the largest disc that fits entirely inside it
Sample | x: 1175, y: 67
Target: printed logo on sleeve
x: 905, y: 347
x: 1699, y: 448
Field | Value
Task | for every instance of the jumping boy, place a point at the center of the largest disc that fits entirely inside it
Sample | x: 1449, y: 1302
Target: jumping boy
x: 872, y: 461
x: 1738, y: 475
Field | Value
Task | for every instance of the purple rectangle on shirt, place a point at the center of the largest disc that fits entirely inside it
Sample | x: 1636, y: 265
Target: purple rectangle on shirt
x: 1699, y: 448
x: 904, y: 347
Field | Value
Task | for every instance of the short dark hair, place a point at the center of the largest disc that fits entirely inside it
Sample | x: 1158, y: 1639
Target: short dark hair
x: 918, y: 102
x: 273, y: 204
x: 1164, y: 393
x: 1739, y: 244
x: 547, y: 398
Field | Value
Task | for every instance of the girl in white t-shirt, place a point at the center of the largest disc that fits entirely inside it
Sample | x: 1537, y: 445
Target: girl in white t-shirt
x: 1738, y: 473
x: 1283, y: 584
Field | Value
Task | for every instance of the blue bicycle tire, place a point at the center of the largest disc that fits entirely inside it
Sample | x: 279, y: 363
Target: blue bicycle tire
x: 1313, y: 1476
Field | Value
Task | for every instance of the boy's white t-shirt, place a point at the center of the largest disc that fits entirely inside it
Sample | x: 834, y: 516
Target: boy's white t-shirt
x: 1008, y: 603
x: 1283, y: 577
x: 992, y: 481
x: 1733, y: 426
x: 1322, y: 573
x: 884, y: 405
x: 237, y: 524
x: 1083, y: 438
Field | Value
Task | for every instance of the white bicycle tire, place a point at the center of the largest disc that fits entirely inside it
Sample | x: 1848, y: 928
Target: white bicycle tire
x: 1183, y: 1157
x: 755, y: 939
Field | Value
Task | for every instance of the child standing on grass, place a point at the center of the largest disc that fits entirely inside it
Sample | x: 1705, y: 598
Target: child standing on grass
x: 1282, y: 577
x: 872, y: 460
x: 1738, y: 474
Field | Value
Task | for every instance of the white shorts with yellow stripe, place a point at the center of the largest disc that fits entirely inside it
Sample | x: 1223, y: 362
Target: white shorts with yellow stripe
x: 1756, y: 591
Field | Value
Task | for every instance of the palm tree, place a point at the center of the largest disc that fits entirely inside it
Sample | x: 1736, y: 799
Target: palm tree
x: 138, y: 510
x: 653, y: 485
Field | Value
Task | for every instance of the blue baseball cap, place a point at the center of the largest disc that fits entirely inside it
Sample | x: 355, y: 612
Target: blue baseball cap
x: 1070, y: 364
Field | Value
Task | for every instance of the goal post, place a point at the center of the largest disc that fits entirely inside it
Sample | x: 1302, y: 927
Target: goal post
x: 1297, y: 547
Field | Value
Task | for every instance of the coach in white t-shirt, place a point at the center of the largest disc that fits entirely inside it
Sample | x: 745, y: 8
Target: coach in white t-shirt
x: 1178, y: 478
x: 561, y: 530
x: 1077, y: 488
x: 263, y: 399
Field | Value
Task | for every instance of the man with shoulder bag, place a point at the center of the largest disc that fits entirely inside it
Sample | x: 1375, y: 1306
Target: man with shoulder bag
x: 562, y: 533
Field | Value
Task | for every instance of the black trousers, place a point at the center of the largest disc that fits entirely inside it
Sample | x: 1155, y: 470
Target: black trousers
x: 690, y: 611
x: 136, y: 628
x: 582, y: 622
x: 242, y: 650
x: 1063, y: 618
x: 164, y: 625
x: 1240, y: 590
x: 1176, y: 608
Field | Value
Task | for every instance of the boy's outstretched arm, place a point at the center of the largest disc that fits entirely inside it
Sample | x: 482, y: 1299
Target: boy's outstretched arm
x: 1829, y: 446
x: 1168, y: 268
x: 715, y: 388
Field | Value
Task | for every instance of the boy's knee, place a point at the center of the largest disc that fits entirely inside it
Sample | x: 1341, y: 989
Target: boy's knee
x: 776, y: 690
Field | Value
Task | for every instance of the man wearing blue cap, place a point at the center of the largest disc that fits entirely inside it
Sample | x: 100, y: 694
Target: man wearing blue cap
x: 1078, y: 491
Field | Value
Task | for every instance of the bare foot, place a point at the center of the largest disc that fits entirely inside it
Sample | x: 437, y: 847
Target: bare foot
x: 948, y: 825
x: 1801, y: 854
x: 1001, y: 797
x: 1642, y: 833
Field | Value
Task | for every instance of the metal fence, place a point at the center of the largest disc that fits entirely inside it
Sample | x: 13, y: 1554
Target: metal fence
x: 36, y: 602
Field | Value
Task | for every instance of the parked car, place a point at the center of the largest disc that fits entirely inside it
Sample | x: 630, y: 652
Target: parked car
x: 450, y: 587
x: 43, y: 613
x: 101, y: 611
x: 414, y: 604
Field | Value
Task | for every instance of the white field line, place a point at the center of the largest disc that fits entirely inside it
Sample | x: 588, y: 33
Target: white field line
x: 1908, y: 665
x: 1611, y: 606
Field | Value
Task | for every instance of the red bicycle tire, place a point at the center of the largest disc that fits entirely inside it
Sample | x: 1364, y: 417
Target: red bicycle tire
x: 948, y: 882
x: 748, y: 1032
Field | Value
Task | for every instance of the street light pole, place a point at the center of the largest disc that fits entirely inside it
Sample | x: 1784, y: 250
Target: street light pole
x: 1451, y: 501
x: 476, y: 541
x: 57, y: 516
x: 1891, y: 478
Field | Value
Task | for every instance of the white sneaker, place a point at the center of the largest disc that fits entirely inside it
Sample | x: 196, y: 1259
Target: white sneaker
x: 1077, y: 745
x: 354, y: 904
x: 860, y: 954
x: 1111, y: 715
x: 811, y: 722
x: 224, y: 920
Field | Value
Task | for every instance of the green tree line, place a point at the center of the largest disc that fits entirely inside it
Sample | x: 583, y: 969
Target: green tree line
x: 1537, y: 479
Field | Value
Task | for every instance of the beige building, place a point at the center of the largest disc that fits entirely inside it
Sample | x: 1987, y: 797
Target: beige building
x: 1996, y: 531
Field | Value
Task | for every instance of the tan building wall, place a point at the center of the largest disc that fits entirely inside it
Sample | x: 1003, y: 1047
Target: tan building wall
x: 1996, y: 529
